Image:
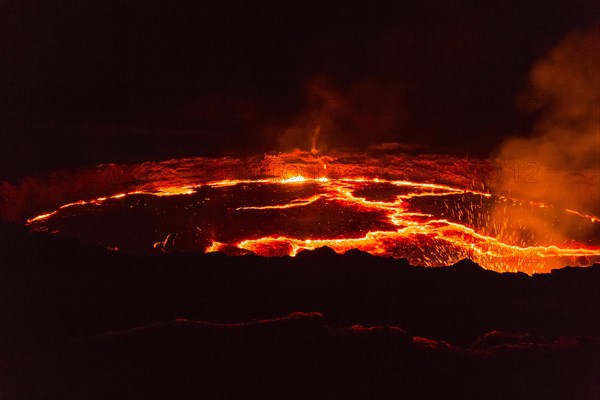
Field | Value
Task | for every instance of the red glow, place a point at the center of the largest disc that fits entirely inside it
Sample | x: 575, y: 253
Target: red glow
x: 322, y: 201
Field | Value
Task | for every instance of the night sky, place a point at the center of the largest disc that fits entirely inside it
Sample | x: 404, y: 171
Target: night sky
x: 101, y: 81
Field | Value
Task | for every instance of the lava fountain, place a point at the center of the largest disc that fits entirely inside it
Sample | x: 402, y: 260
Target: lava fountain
x: 433, y: 210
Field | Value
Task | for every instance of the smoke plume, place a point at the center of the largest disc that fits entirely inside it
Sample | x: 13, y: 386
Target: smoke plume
x: 559, y: 163
x: 364, y: 113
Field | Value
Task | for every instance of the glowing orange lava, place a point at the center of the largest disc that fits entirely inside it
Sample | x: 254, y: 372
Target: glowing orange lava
x: 429, y: 223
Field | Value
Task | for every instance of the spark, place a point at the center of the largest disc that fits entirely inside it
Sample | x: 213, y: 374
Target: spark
x: 425, y: 238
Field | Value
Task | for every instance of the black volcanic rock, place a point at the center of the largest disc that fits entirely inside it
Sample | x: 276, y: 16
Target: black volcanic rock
x: 466, y: 265
x: 574, y: 270
x: 324, y: 252
x: 376, y: 326
x: 497, y: 338
x: 286, y: 358
x: 357, y: 254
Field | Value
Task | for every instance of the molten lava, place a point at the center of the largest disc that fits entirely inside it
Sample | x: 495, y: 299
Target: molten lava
x: 432, y: 210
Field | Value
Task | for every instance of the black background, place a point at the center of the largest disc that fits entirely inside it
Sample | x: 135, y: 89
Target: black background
x: 100, y: 81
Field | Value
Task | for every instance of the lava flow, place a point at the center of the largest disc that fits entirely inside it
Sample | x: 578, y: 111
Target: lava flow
x: 432, y: 210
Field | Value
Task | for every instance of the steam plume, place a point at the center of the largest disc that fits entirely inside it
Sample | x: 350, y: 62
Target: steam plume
x: 559, y: 163
x: 364, y: 113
